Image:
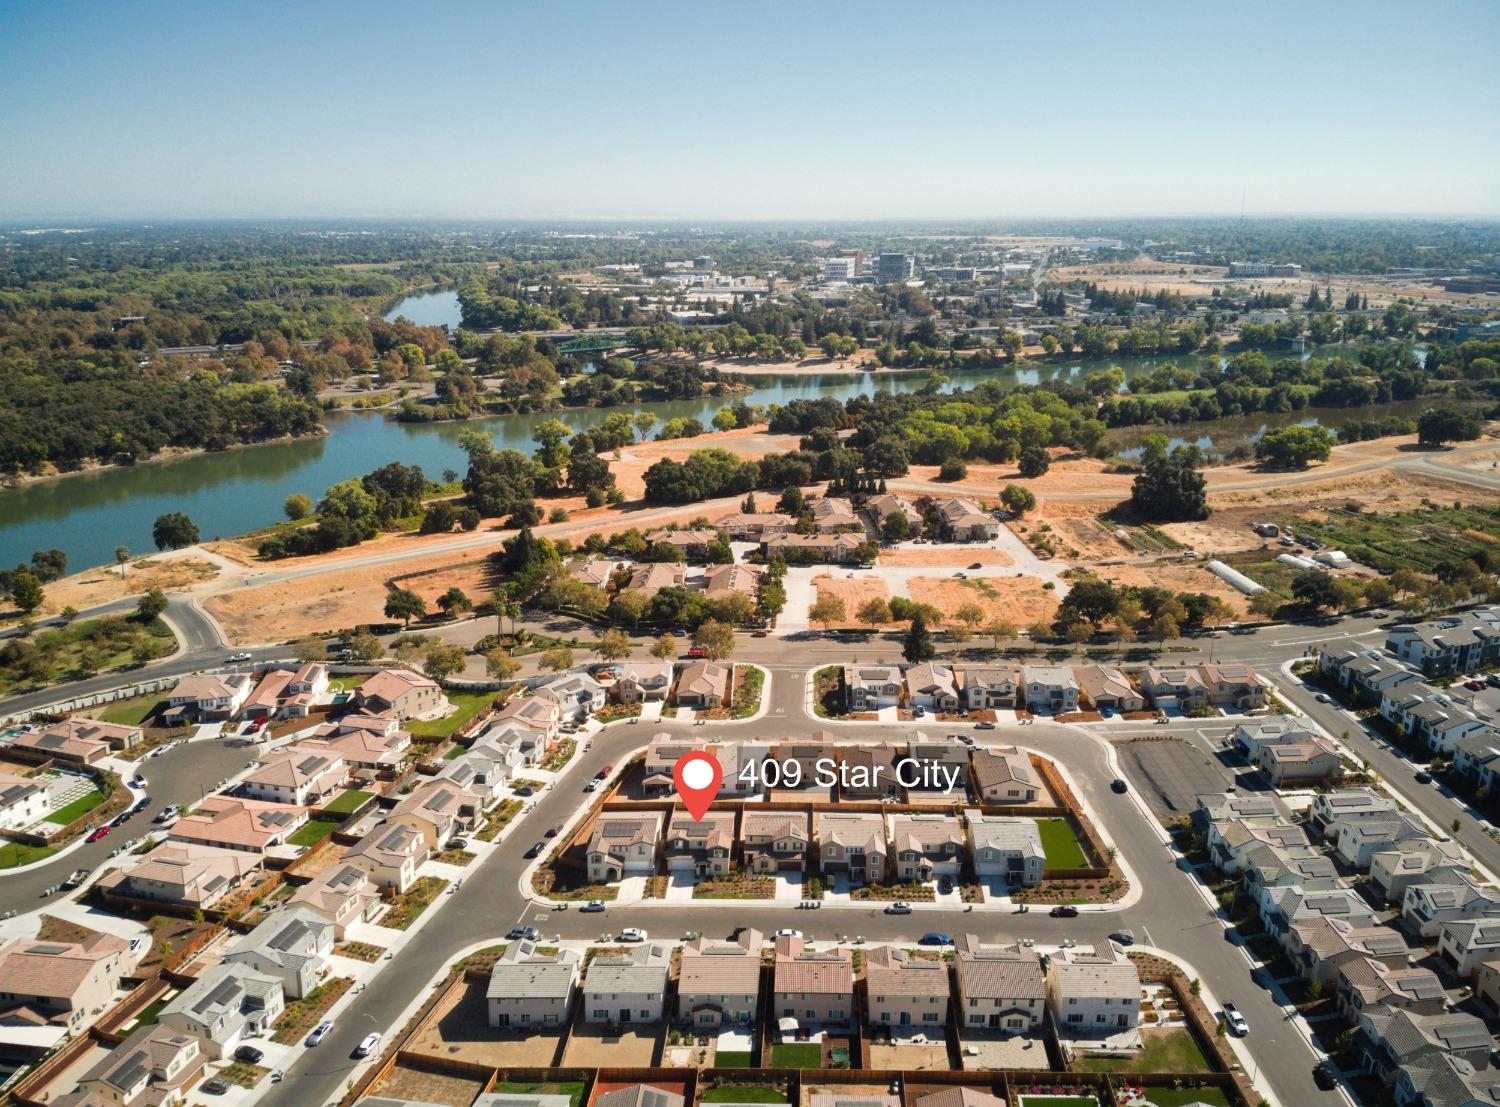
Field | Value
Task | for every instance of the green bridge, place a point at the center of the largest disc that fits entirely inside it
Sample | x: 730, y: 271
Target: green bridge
x: 593, y: 344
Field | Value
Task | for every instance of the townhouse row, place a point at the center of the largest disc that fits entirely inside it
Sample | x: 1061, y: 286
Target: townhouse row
x: 1052, y: 689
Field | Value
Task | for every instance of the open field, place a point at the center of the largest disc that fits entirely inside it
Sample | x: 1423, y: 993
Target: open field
x: 1019, y: 600
x: 422, y: 1086
x: 594, y: 1045
x: 943, y: 557
x: 860, y: 590
x: 1177, y: 574
x: 172, y: 572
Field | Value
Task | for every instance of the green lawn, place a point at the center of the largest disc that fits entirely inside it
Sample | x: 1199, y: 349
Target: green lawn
x: 732, y: 1059
x: 1162, y: 1051
x: 1060, y: 845
x: 573, y: 1089
x: 14, y: 854
x: 1184, y: 1097
x: 455, y: 752
x: 740, y: 1094
x: 466, y: 705
x: 81, y: 806
x: 345, y: 803
x: 313, y: 833
x: 148, y: 1014
x: 797, y: 1055
x: 132, y: 712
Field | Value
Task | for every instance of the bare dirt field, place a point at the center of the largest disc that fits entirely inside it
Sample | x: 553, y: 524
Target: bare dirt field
x: 462, y: 1031
x: 595, y: 1046
x: 429, y: 1087
x: 808, y: 366
x: 170, y: 573
x: 944, y: 557
x: 853, y: 593
x: 1019, y: 600
x: 1074, y: 529
x: 910, y: 1057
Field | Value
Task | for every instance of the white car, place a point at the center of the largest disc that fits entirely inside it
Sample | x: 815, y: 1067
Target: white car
x: 321, y: 1031
x: 788, y: 933
x: 241, y: 656
x: 632, y: 934
x: 1237, y: 1024
x: 898, y: 908
x: 368, y: 1045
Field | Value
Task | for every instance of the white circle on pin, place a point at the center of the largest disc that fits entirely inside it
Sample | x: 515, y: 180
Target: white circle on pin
x: 697, y: 774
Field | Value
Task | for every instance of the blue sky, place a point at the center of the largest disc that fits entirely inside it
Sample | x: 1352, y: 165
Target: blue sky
x: 763, y: 110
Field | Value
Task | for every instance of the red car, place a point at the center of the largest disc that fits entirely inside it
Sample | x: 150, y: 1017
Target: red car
x: 696, y: 651
x: 259, y: 724
x: 98, y: 833
x: 604, y: 772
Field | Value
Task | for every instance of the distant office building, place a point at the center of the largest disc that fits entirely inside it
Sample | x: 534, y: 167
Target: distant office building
x: 840, y: 269
x: 1264, y: 269
x: 954, y: 273
x: 894, y: 268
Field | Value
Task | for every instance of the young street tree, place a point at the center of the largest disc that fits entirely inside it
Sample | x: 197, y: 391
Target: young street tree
x: 441, y: 661
x: 613, y: 645
x: 26, y: 591
x: 874, y: 611
x: 664, y: 648
x: 556, y: 659
x: 501, y: 665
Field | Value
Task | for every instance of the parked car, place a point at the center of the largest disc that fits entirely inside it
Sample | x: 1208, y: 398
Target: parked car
x: 976, y: 565
x: 1118, y: 786
x: 552, y: 831
x: 1237, y: 1024
x: 1324, y: 1076
x: 632, y: 934
x: 536, y: 850
x: 591, y: 786
x: 258, y: 724
x: 216, y: 1086
x: 918, y: 712
x: 166, y: 814
x: 787, y: 933
x: 99, y: 833
x: 1123, y: 937
x: 1423, y: 778
x: 234, y: 658
x: 593, y: 906
x: 758, y: 633
x: 945, y: 885
x: 898, y: 908
x: 458, y: 843
x: 249, y: 1054
x: 603, y: 773
x: 678, y: 632
x: 138, y: 781
x: 697, y: 652
x: 1064, y: 911
x: 984, y: 726
x: 524, y: 790
x: 75, y: 878
x: 523, y: 934
x: 321, y: 1031
x: 367, y: 1045
x: 935, y: 938
x: 1321, y: 697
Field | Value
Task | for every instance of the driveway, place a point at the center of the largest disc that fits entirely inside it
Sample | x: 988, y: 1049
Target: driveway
x: 680, y: 887
x: 632, y: 889
x: 788, y: 887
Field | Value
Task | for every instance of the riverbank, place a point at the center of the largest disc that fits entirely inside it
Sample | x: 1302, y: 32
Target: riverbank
x: 166, y: 454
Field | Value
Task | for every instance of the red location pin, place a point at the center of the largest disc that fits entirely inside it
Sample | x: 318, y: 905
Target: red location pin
x: 697, y: 776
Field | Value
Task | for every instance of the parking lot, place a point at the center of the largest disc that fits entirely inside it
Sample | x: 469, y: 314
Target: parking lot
x: 1170, y: 773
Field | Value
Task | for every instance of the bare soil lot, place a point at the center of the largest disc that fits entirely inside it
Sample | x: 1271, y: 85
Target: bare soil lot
x: 405, y: 1082
x: 946, y: 556
x: 932, y: 1056
x: 462, y: 1030
x: 1020, y: 600
x: 169, y: 572
x: 860, y: 590
x: 597, y: 1047
x: 1177, y: 574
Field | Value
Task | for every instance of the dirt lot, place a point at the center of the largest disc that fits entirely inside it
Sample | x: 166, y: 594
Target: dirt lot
x: 429, y: 1087
x: 462, y: 1031
x: 1004, y: 1051
x: 912, y: 1057
x: 944, y: 557
x: 1073, y: 528
x: 1020, y: 600
x: 853, y: 592
x: 597, y: 1048
x: 169, y: 572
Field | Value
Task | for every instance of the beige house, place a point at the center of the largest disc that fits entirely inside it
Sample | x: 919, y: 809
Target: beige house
x: 933, y: 686
x: 434, y: 811
x: 990, y: 687
x: 62, y: 984
x: 999, y: 987
x: 1106, y: 688
x: 182, y: 873
x: 1007, y: 848
x: 642, y: 682
x: 1233, y: 685
x: 627, y: 988
x: 226, y: 1004
x: 1005, y: 775
x: 719, y: 982
x: 721, y: 581
x: 529, y: 989
x: 872, y: 687
x: 886, y: 504
x: 1093, y: 993
x: 816, y: 989
x: 389, y: 856
x: 926, y: 846
x: 802, y: 548
x: 741, y: 527
x: 343, y: 894
x: 1309, y: 761
x: 209, y: 695
x: 692, y: 543
x: 652, y: 577
x: 307, y: 774
x: 832, y: 514
x: 775, y: 842
x: 704, y: 685
x: 156, y: 1065
x: 905, y: 993
x: 401, y: 694
x: 243, y: 824
x: 962, y: 520
x: 852, y: 844
x: 703, y: 847
x: 367, y: 750
x: 623, y: 845
x: 117, y: 736
x: 1174, y: 688
x: 541, y: 715
x: 59, y: 742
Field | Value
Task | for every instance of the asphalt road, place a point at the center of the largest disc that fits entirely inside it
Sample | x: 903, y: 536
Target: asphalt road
x: 1171, y: 914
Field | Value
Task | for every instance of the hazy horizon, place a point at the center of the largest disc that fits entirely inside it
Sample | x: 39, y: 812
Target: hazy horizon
x: 666, y: 112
